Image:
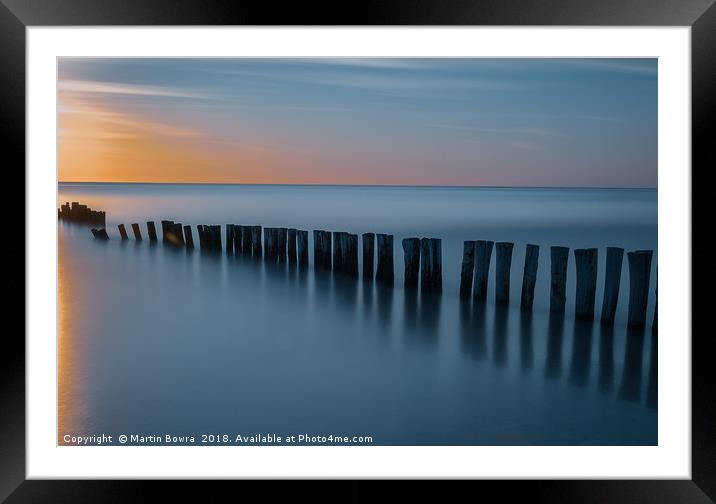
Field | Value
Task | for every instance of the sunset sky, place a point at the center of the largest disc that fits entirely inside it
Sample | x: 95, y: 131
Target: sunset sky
x: 476, y: 122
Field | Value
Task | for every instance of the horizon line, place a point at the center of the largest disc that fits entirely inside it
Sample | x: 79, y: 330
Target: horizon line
x: 361, y: 185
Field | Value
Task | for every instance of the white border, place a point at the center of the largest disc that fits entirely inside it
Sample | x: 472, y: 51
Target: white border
x: 671, y: 459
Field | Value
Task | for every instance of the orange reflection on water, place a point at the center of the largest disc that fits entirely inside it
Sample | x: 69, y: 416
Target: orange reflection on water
x: 70, y: 404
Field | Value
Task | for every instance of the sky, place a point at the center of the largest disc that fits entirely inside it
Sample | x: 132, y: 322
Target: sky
x: 365, y: 121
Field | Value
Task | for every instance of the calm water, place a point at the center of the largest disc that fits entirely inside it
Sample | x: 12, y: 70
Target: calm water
x: 156, y: 341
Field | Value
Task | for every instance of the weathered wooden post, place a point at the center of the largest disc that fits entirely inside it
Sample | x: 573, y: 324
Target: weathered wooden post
x: 327, y: 250
x: 151, y: 231
x: 384, y: 270
x: 216, y: 237
x: 368, y: 255
x: 612, y: 279
x: 338, y: 251
x: 302, y: 246
x: 586, y: 267
x: 291, y: 250
x: 165, y: 230
x: 100, y: 234
x: 200, y: 233
x: 137, y: 232
x: 269, y: 246
x: 123, y: 232
x: 529, y: 276
x: 351, y: 254
x: 256, y: 241
x: 431, y: 265
x: 229, y: 239
x: 558, y: 284
x: 317, y: 249
x: 322, y: 249
x: 503, y: 265
x: 246, y: 242
x: 483, y: 253
x: 281, y: 241
x: 467, y: 270
x: 411, y: 258
x: 639, y: 273
x: 188, y: 238
x: 239, y: 238
x: 177, y: 234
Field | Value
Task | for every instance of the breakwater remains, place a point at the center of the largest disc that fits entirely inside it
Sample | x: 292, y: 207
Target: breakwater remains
x: 338, y: 252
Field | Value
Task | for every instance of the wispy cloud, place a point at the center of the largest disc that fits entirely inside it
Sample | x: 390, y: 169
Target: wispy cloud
x: 111, y: 124
x: 84, y: 86
x: 379, y: 81
x: 383, y: 63
x: 519, y: 144
x: 527, y: 131
x: 628, y: 67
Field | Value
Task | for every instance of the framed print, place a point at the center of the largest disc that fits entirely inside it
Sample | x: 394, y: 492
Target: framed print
x: 425, y: 245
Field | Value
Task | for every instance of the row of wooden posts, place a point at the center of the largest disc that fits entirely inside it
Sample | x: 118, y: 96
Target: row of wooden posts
x: 80, y: 213
x: 338, y: 252
x: 476, y: 264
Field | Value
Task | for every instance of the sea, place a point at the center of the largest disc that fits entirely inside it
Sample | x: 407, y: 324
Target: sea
x: 184, y: 347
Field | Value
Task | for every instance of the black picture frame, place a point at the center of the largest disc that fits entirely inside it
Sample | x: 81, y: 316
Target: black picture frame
x: 700, y: 15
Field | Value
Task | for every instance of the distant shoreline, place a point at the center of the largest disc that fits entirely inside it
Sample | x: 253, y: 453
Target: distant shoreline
x: 357, y: 186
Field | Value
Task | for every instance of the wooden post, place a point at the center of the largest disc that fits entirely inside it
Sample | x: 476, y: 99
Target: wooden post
x: 281, y: 240
x: 178, y: 234
x: 256, y: 241
x: 639, y: 273
x: 351, y: 254
x: 200, y: 233
x: 269, y: 249
x: 483, y: 253
x: 172, y: 233
x: 246, y: 243
x: 216, y: 237
x: 123, y: 232
x: 411, y: 258
x: 165, y: 230
x: 468, y: 268
x: 586, y: 266
x: 100, y: 234
x: 503, y: 265
x: 229, y: 239
x: 612, y: 280
x: 384, y: 271
x: 529, y: 276
x: 327, y: 250
x: 426, y: 265
x: 338, y: 243
x: 431, y: 265
x: 317, y: 249
x: 368, y: 255
x: 188, y: 238
x: 322, y: 249
x: 559, y: 257
x: 302, y: 246
x: 137, y: 232
x: 151, y: 231
x: 239, y: 239
x: 291, y: 250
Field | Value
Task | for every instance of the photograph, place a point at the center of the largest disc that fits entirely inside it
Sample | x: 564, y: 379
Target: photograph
x: 357, y: 251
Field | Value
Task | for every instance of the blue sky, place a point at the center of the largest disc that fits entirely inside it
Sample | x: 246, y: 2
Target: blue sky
x: 491, y: 122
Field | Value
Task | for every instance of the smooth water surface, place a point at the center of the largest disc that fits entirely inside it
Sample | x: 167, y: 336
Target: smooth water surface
x: 155, y: 340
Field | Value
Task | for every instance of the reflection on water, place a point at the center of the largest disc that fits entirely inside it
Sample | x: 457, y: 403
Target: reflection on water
x: 157, y: 340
